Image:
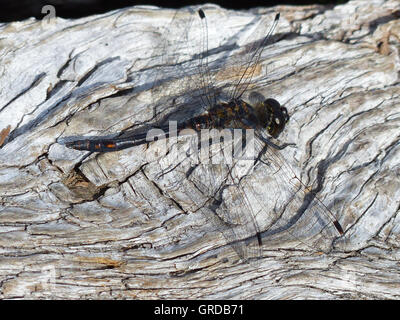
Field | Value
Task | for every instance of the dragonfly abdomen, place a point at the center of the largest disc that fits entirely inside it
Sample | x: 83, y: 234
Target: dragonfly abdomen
x: 101, y: 145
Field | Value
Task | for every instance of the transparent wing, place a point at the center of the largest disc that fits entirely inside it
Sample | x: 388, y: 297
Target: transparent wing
x: 179, y: 79
x: 179, y: 86
x: 287, y: 211
x: 254, y: 204
x: 205, y: 183
x: 227, y: 205
x: 194, y: 75
x: 238, y: 72
x: 263, y: 203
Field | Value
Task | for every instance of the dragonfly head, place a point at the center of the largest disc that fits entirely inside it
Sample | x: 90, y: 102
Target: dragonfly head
x: 272, y: 116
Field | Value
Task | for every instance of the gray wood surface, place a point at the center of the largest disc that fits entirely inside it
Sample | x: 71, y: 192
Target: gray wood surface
x: 75, y: 226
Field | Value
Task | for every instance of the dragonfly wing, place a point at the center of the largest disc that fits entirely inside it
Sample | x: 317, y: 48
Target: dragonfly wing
x: 292, y: 213
x: 210, y: 185
x: 180, y: 76
x: 220, y: 181
x: 241, y: 69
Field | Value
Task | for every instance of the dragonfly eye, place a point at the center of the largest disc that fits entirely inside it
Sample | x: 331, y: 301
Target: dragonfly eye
x: 285, y: 114
x: 278, y: 116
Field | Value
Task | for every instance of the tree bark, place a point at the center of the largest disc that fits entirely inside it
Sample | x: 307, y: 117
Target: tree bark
x: 103, y: 225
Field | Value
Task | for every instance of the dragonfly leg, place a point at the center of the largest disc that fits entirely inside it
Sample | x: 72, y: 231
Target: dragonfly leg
x: 275, y: 146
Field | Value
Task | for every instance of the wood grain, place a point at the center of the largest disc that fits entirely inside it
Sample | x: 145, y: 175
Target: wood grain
x: 99, y: 226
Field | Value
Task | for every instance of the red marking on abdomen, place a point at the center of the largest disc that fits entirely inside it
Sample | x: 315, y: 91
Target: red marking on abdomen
x: 110, y: 145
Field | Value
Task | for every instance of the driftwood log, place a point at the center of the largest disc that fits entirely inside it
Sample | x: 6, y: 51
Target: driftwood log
x: 90, y: 225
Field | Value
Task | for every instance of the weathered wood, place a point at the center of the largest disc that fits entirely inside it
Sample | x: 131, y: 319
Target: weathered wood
x: 101, y: 227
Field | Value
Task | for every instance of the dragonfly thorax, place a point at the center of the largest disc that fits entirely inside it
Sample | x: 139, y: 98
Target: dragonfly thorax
x: 272, y: 116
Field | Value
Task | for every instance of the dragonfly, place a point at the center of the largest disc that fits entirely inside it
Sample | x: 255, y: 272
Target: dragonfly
x: 230, y: 193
